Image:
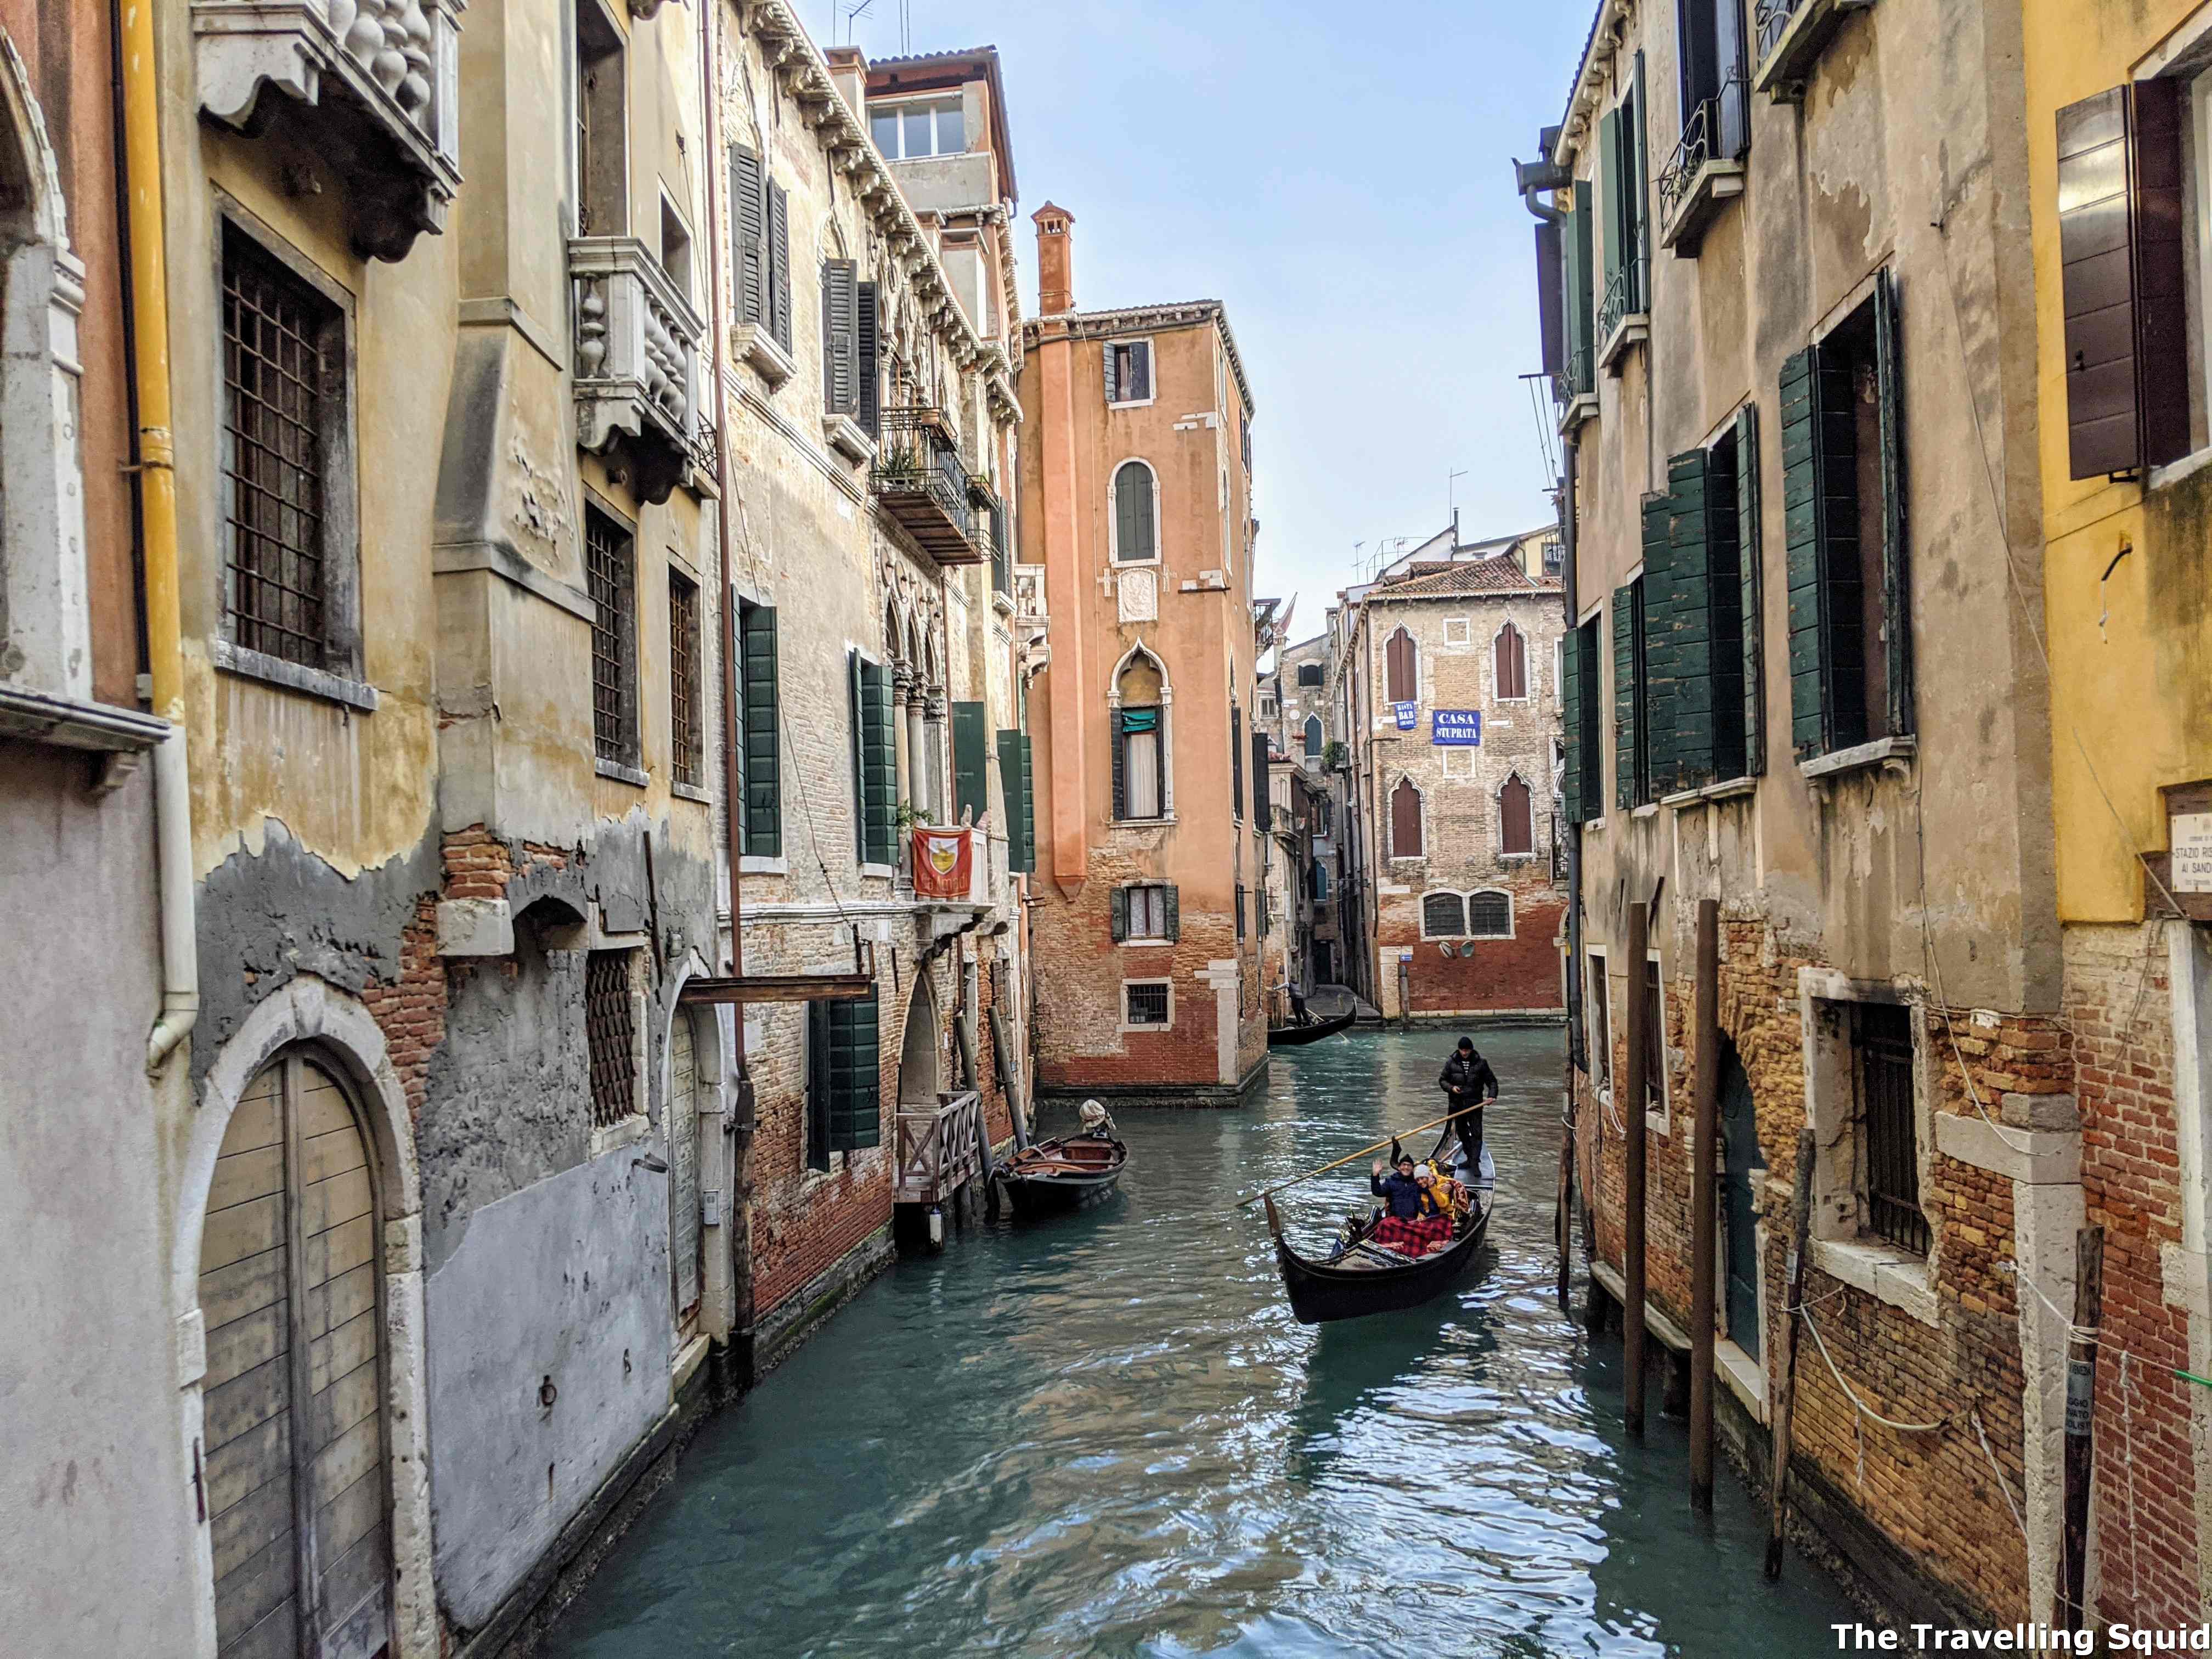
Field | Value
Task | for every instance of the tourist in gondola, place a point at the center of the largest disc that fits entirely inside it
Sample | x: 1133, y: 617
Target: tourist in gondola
x: 1416, y: 1220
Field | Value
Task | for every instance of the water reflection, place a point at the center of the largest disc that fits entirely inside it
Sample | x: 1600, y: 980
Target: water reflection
x: 1105, y: 1435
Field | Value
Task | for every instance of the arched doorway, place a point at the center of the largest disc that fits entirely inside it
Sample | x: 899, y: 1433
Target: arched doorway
x: 289, y: 1286
x: 1743, y: 1160
x: 685, y: 1235
x: 920, y: 1078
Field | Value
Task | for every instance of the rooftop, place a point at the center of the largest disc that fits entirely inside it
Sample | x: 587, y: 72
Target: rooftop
x: 1438, y: 580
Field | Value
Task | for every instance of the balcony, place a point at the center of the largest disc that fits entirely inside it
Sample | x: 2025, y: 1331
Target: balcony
x: 1706, y: 168
x: 937, y: 1150
x: 1029, y: 612
x: 1787, y: 36
x: 990, y: 518
x: 637, y: 362
x: 919, y: 480
x: 1624, y: 316
x: 1575, y: 392
x: 370, y: 86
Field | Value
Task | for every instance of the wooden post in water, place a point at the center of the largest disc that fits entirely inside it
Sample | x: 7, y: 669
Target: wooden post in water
x: 1705, y: 1058
x: 2080, y: 1418
x: 1635, y: 1083
x: 1785, y: 1393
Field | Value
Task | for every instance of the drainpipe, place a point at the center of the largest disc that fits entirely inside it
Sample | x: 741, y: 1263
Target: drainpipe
x: 738, y: 1205
x: 157, y: 491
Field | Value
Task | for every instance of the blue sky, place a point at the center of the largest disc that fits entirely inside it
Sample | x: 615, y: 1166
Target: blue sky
x: 1340, y: 176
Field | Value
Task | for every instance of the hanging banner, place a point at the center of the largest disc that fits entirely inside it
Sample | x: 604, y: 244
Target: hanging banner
x: 943, y: 863
x: 1460, y: 728
x: 1409, y: 715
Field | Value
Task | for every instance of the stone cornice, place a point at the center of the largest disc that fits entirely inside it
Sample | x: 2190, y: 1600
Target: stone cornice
x: 1592, y: 75
x: 1103, y: 325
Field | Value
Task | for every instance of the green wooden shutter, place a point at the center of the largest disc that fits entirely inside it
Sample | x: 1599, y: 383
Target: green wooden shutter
x: 1753, y: 576
x: 856, y: 703
x: 779, y: 264
x: 855, y: 1094
x: 1570, y: 709
x: 1628, y: 699
x: 749, y: 227
x: 1029, y: 804
x: 1836, y: 441
x: 1171, y: 910
x: 1617, y: 218
x: 1896, y: 605
x: 1581, y: 278
x: 971, y: 784
x: 1236, y: 761
x: 1800, y: 535
x: 1120, y: 914
x: 883, y: 769
x: 1703, y: 665
x: 1014, y: 786
x: 818, y: 1074
x: 1635, y: 135
x: 761, y: 740
x: 868, y: 341
x: 1263, y: 805
x: 1121, y: 768
x: 840, y: 344
x: 1659, y: 708
x: 1112, y: 388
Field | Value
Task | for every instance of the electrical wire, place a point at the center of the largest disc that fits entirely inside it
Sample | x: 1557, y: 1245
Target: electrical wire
x: 1974, y: 1416
x: 1851, y: 1394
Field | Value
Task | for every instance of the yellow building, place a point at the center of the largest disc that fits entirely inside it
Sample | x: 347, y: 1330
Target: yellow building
x: 2118, y: 98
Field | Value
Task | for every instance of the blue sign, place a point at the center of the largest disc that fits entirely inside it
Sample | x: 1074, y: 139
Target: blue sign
x: 1409, y: 715
x: 1460, y: 728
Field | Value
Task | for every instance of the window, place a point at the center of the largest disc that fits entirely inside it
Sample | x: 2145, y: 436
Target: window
x: 1313, y: 737
x: 686, y: 736
x: 1623, y: 173
x: 1555, y: 555
x: 1444, y: 916
x: 875, y: 762
x: 1406, y: 820
x: 1655, y: 1040
x: 1310, y: 674
x: 841, y: 338
x: 1241, y: 892
x: 1129, y: 372
x: 1850, y: 680
x: 844, y: 1089
x: 1582, y: 781
x: 1716, y: 115
x: 1601, y: 1024
x: 760, y: 782
x: 1881, y: 1043
x: 602, y: 126
x: 610, y: 1036
x: 1632, y: 777
x: 1516, y: 830
x: 1320, y: 882
x: 909, y: 131
x: 761, y: 228
x: 1509, y: 664
x: 1136, y: 515
x: 1237, y: 763
x: 1576, y: 373
x: 286, y: 459
x: 1147, y: 910
x: 1489, y: 915
x: 1016, y: 787
x: 1138, y: 768
x: 610, y: 564
x: 1401, y: 676
x: 674, y: 248
x: 1145, y: 1003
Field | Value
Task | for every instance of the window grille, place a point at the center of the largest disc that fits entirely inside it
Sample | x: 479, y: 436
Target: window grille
x: 607, y: 1036
x: 609, y: 567
x: 1883, y: 1046
x: 279, y: 386
x: 1148, y: 1005
x: 1489, y: 915
x: 686, y: 743
x: 1444, y: 916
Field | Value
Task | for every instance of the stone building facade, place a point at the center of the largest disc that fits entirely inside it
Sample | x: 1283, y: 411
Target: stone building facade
x: 1447, y: 674
x: 1135, y: 457
x: 1302, y: 725
x: 1793, y: 253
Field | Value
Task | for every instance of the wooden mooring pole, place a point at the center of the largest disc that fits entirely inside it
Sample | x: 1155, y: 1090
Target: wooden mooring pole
x: 1785, y: 1393
x: 1635, y: 1081
x: 1704, y: 1198
x: 2081, y: 1421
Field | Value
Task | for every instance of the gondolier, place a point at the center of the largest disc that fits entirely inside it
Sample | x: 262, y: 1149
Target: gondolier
x: 1468, y: 1085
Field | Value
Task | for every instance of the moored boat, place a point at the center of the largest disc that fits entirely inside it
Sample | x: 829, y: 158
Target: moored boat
x: 1292, y: 1036
x: 1060, y: 1174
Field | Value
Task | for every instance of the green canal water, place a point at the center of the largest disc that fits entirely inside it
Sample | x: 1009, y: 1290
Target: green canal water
x: 1105, y: 1435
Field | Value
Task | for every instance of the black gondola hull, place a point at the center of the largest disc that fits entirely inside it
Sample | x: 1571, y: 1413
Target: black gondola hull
x: 1293, y: 1036
x: 1056, y: 1194
x: 1321, y: 1294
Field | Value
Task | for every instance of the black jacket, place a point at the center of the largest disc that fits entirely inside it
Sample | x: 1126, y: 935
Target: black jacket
x: 1402, y: 1192
x: 1470, y: 1075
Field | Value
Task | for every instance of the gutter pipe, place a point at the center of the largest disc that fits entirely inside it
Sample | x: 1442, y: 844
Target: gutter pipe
x: 157, y: 494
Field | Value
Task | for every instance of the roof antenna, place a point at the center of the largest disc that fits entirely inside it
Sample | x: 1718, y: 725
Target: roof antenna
x: 1451, y: 501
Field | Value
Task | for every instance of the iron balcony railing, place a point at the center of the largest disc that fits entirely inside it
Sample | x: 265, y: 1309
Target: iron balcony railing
x: 1579, y: 379
x: 918, y: 478
x: 1769, y: 18
x: 1714, y: 131
x: 1624, y: 296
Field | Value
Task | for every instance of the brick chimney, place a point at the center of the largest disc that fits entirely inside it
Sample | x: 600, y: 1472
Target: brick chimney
x: 848, y: 73
x: 1055, y: 259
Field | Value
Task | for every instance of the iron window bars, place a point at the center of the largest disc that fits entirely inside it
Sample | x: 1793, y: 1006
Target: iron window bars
x: 685, y: 740
x: 1882, y: 1045
x: 1147, y: 1004
x: 607, y: 1036
x: 610, y: 564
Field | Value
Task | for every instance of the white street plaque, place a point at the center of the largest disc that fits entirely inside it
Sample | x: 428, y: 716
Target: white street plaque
x: 2191, y: 834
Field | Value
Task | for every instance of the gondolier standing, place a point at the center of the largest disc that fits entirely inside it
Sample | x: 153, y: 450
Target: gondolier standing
x: 1468, y: 1085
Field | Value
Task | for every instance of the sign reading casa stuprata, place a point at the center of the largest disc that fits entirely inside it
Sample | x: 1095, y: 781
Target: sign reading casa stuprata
x: 1460, y: 728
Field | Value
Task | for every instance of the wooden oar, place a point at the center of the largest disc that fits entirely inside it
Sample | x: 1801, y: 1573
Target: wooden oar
x: 1352, y: 1157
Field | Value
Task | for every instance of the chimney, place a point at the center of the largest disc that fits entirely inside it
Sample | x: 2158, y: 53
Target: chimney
x: 848, y: 73
x: 1055, y: 259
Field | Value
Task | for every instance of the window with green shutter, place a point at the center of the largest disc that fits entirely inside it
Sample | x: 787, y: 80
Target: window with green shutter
x: 760, y: 766
x: 1658, y: 714
x: 971, y: 782
x: 875, y: 762
x: 844, y: 1089
x: 1632, y: 784
x: 1578, y: 253
x: 1752, y: 576
x: 1018, y: 787
x: 1570, y: 713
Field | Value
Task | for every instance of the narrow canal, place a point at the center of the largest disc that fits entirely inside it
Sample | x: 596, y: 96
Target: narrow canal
x: 1105, y: 1435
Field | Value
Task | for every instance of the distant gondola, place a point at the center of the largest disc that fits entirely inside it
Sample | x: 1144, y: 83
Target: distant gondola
x: 1060, y: 1175
x: 1365, y: 1279
x: 1292, y: 1036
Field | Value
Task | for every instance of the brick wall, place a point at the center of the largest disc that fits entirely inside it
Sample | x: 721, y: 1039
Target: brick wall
x: 1518, y: 974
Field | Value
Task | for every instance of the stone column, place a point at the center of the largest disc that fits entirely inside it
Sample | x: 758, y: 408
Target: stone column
x: 917, y: 743
x: 901, y: 694
x: 933, y: 751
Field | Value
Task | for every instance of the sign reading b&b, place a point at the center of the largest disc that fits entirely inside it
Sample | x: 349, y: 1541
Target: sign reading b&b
x: 1458, y: 727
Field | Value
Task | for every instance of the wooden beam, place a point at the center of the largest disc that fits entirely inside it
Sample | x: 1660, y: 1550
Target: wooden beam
x: 1636, y: 1084
x: 1704, y: 1196
x: 779, y: 987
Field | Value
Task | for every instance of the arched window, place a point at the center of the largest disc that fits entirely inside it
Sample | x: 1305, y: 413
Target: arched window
x: 1136, y: 515
x: 1313, y: 736
x: 1516, y: 830
x: 1444, y: 916
x: 1404, y: 820
x: 1140, y: 738
x: 1308, y: 674
x: 1489, y: 915
x: 1512, y: 665
x: 1400, y: 678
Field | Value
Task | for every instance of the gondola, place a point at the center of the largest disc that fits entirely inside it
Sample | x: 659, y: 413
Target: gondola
x: 1060, y: 1175
x: 1366, y: 1280
x: 1293, y: 1036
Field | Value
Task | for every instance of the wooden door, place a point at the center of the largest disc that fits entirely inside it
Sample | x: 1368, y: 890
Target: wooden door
x: 293, y: 1438
x: 683, y: 1174
x: 1739, y: 1215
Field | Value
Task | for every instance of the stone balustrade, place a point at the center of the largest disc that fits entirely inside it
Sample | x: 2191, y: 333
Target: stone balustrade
x: 638, y: 344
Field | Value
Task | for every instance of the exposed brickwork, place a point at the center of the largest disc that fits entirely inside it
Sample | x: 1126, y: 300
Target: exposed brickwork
x: 410, y: 1010
x: 1518, y: 974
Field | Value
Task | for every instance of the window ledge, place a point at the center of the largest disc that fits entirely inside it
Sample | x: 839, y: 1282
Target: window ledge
x: 1658, y: 1123
x: 1167, y: 823
x: 615, y: 1136
x: 754, y: 346
x: 1144, y: 944
x: 1634, y: 328
x: 691, y: 792
x: 1517, y: 858
x: 1582, y: 406
x: 77, y: 723
x: 2174, y: 472
x: 1728, y: 789
x: 1135, y: 403
x: 1716, y: 182
x: 1649, y: 809
x: 1889, y: 752
x: 1743, y: 1376
x: 252, y: 665
x: 621, y: 773
x: 843, y: 434
x: 881, y: 871
x: 1785, y: 66
x: 1904, y: 1282
x: 753, y: 864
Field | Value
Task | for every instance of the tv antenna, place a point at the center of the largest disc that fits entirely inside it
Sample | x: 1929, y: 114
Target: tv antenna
x: 849, y: 9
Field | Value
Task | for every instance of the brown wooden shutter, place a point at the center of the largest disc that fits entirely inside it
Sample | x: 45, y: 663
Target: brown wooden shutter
x: 1512, y: 665
x: 1401, y: 684
x: 2120, y: 253
x: 1516, y: 825
x: 1404, y: 820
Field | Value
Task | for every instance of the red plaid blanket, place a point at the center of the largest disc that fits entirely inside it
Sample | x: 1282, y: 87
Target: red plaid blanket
x: 1414, y: 1237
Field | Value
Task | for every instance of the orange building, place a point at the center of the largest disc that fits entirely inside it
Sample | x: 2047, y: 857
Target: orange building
x: 1136, y: 471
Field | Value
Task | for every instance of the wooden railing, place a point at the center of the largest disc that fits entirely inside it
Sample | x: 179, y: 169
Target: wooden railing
x: 938, y: 1150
